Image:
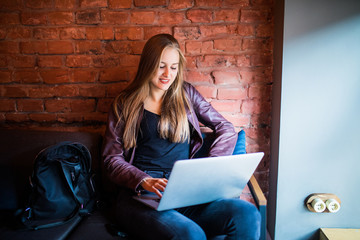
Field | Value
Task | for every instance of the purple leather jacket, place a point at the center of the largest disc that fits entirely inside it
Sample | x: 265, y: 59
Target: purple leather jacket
x: 118, y: 161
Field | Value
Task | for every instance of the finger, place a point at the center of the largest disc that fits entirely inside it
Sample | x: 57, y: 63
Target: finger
x: 157, y: 192
x: 160, y: 186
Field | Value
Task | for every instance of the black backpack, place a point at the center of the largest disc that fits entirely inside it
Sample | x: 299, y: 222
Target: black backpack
x: 61, y: 186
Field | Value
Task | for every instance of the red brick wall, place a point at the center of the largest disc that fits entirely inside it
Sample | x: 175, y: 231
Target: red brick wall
x: 63, y: 61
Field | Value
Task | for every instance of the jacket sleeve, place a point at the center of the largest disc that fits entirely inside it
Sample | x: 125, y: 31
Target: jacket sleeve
x: 225, y: 135
x: 115, y: 157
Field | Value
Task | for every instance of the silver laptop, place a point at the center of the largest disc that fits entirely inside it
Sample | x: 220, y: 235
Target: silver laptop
x: 203, y: 180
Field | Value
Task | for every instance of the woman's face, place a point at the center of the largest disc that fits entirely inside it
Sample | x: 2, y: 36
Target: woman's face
x: 167, y: 71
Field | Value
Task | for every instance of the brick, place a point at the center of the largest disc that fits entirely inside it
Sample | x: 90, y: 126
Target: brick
x: 172, y: 18
x: 130, y: 60
x: 243, y: 60
x: 17, y: 117
x: 82, y: 105
x: 60, y: 18
x: 46, y: 33
x: 95, y: 117
x: 222, y: 77
x: 264, y: 30
x: 50, y: 61
x: 5, y: 76
x: 29, y: 76
x: 131, y: 72
x: 33, y: 47
x: 93, y: 3
x: 9, y: 18
x: 112, y: 17
x: 180, y: 4
x: 238, y: 119
x: 257, y: 44
x: 149, y: 3
x: 100, y: 33
x: 199, y: 15
x: 92, y: 91
x: 7, y: 105
x: 236, y: 3
x: 41, y: 92
x: 12, y: 5
x: 84, y: 75
x: 15, y: 91
x: 226, y: 106
x: 59, y: 47
x: 228, y: 45
x: 198, y: 77
x: 115, y: 4
x: 226, y: 15
x: 217, y: 61
x: 262, y: 120
x: 191, y: 62
x: 18, y: 33
x: 33, y: 18
x: 113, y: 75
x: 255, y: 106
x: 207, y: 3
x: 9, y: 47
x: 113, y: 89
x: 262, y: 2
x: 30, y: 105
x: 65, y: 4
x: 69, y: 90
x: 245, y: 30
x: 254, y: 16
x: 193, y: 47
x: 78, y: 61
x: 3, y: 33
x: 261, y: 60
x: 232, y: 93
x: 88, y: 47
x: 88, y: 17
x: 3, y: 61
x: 20, y: 61
x: 117, y: 47
x: 76, y: 33
x: 70, y: 117
x: 262, y: 91
x: 207, y: 47
x: 104, y: 105
x: 42, y: 117
x: 128, y: 33
x: 142, y: 17
x: 38, y: 4
x: 55, y: 76
x: 106, y: 61
x: 213, y: 30
x: 207, y: 91
x: 187, y: 33
x: 151, y: 31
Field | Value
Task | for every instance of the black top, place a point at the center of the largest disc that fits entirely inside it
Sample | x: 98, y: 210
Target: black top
x: 153, y: 152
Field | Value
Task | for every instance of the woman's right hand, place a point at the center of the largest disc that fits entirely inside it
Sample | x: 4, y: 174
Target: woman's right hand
x: 154, y: 185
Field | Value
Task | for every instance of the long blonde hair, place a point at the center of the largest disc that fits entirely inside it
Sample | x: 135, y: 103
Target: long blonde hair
x: 173, y: 124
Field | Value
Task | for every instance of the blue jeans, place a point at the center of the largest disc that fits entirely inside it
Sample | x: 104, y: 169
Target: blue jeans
x: 234, y: 218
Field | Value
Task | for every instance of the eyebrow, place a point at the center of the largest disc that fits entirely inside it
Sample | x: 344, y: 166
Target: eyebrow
x: 171, y: 64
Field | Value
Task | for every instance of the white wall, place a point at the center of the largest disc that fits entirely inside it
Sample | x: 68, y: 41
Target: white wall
x: 316, y: 119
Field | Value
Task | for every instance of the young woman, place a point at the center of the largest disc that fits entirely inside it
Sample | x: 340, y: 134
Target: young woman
x: 153, y: 123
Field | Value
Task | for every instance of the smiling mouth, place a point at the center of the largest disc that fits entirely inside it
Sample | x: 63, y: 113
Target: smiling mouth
x: 164, y: 81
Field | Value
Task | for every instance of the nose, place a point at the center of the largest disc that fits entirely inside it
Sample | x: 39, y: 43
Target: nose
x: 166, y: 72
